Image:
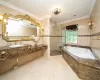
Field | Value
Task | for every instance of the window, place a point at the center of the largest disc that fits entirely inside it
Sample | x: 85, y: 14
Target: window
x: 71, y: 36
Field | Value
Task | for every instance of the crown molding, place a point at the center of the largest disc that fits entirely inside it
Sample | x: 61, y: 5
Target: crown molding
x: 93, y: 4
x: 75, y: 19
x: 17, y: 9
x: 47, y: 16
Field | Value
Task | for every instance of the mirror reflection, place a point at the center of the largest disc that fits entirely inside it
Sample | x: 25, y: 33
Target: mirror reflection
x: 21, y: 27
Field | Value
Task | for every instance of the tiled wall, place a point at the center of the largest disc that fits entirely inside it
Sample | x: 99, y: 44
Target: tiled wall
x: 95, y: 17
x: 55, y: 39
x: 46, y: 38
x: 83, y: 31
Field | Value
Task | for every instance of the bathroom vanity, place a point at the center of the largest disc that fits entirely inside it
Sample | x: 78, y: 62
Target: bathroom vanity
x: 16, y: 28
x: 16, y: 55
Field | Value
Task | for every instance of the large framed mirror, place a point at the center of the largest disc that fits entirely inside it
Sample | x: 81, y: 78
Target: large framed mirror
x: 19, y: 28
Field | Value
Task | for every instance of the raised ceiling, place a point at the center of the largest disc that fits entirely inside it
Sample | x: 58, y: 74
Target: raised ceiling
x: 42, y: 8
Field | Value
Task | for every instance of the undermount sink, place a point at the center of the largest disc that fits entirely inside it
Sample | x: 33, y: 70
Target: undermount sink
x: 12, y: 46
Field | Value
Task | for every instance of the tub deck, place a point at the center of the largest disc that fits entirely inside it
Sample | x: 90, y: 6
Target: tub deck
x: 82, y: 62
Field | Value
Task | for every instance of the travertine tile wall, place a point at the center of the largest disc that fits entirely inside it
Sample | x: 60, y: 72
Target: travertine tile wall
x: 95, y: 17
x: 56, y: 36
x: 83, y: 29
x: 46, y: 38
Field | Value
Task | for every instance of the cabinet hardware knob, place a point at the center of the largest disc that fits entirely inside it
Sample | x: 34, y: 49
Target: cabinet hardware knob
x: 3, y: 55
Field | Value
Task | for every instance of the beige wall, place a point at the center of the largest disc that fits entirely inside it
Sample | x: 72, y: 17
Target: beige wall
x: 46, y: 38
x: 83, y: 29
x: 95, y: 17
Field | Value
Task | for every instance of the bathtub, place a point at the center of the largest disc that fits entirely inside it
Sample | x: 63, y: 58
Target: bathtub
x: 82, y: 61
x: 80, y: 52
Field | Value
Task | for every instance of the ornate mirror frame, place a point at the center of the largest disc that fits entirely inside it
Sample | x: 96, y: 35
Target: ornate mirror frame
x: 18, y: 38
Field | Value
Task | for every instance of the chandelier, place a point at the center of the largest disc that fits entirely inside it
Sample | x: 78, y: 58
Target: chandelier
x: 56, y: 11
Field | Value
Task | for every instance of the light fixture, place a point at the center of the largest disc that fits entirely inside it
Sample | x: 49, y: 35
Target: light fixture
x: 5, y: 20
x: 42, y: 28
x: 56, y: 11
x: 1, y: 17
x: 90, y: 24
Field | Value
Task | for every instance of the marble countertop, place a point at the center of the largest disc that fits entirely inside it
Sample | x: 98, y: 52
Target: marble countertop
x: 15, y: 51
x: 15, y: 46
x: 8, y: 47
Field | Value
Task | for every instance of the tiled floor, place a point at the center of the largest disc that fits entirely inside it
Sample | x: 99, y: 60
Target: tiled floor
x: 54, y: 68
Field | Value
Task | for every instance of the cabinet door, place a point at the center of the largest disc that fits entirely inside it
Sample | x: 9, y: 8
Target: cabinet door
x: 24, y: 59
x: 6, y: 65
x: 29, y: 57
x: 38, y: 53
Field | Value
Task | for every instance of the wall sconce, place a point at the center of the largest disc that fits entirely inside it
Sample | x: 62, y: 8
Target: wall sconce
x: 42, y: 28
x: 90, y: 24
x: 1, y: 17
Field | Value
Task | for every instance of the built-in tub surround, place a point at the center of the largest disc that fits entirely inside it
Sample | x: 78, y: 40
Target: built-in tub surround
x: 85, y: 53
x: 95, y: 31
x: 82, y: 62
x: 17, y: 55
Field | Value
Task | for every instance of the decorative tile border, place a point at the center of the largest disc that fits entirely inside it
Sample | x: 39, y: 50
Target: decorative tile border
x: 84, y: 35
x: 51, y: 36
x: 77, y: 45
x: 96, y: 34
x: 64, y: 36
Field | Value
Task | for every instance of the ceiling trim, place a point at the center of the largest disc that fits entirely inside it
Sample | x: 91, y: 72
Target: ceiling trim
x: 47, y: 16
x: 74, y: 19
x: 17, y: 9
x: 93, y: 4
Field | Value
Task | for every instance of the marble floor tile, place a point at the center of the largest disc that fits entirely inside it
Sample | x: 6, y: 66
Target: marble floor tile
x: 52, y: 68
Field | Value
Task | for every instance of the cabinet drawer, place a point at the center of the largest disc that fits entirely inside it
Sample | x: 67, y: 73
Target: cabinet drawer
x: 6, y: 65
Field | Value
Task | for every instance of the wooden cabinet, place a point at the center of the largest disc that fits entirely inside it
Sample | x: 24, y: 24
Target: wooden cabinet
x: 29, y: 57
x: 6, y: 65
x: 19, y: 56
